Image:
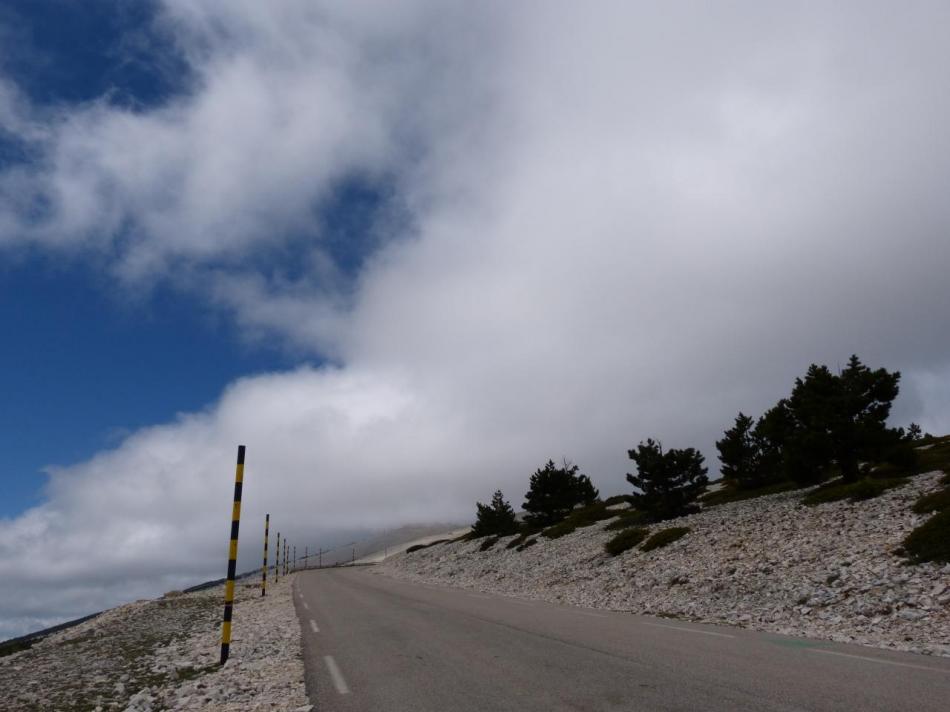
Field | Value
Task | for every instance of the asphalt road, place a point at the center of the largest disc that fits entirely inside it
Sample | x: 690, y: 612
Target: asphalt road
x: 373, y: 643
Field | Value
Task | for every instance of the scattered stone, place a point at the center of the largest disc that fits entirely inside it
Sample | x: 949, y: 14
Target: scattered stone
x: 164, y: 654
x: 828, y: 572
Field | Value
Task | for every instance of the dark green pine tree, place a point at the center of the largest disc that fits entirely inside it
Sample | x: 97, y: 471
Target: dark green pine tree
x: 495, y: 519
x: 842, y: 420
x: 554, y: 492
x: 669, y: 482
x: 739, y: 454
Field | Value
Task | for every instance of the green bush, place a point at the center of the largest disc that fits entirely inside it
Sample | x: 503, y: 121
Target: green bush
x: 627, y: 519
x: 488, y: 543
x: 933, y: 502
x: 732, y: 494
x: 853, y: 491
x: 936, y: 457
x: 583, y: 517
x: 664, y: 537
x: 930, y: 541
x: 627, y: 539
x: 529, y: 542
x: 517, y: 541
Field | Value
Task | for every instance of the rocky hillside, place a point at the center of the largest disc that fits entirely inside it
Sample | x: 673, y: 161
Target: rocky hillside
x: 163, y: 655
x: 827, y: 571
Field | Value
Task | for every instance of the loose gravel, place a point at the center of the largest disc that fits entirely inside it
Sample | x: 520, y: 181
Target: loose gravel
x: 830, y: 572
x: 163, y: 655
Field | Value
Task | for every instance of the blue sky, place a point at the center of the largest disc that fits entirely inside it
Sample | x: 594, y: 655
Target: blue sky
x: 83, y: 365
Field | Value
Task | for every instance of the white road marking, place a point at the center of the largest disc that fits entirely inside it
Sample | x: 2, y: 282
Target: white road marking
x: 688, y: 630
x: 305, y: 606
x: 313, y: 626
x: 876, y: 660
x: 300, y: 594
x: 338, y: 682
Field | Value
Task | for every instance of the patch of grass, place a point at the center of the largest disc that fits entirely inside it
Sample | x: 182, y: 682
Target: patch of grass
x: 488, y: 543
x: 618, y: 499
x: 517, y: 541
x: 935, y: 457
x: 731, y: 494
x: 933, y: 502
x: 627, y: 539
x: 528, y: 542
x: 853, y: 491
x: 15, y: 646
x: 930, y: 541
x: 664, y: 537
x: 627, y: 519
x: 418, y: 547
x: 583, y: 517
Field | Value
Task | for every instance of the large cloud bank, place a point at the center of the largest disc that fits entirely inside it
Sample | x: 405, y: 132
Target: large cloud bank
x: 601, y: 224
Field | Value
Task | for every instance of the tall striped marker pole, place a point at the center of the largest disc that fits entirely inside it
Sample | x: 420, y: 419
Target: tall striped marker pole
x: 232, y: 557
x: 306, y: 558
x: 277, y: 560
x: 294, y: 560
x: 264, y: 570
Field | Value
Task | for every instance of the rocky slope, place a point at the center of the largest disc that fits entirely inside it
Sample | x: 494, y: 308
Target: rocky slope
x: 163, y: 655
x: 770, y: 563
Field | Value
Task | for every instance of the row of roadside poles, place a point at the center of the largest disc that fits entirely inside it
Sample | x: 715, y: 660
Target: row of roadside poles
x: 285, y: 567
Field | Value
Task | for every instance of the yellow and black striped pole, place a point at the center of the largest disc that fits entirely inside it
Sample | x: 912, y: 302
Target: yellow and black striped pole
x: 264, y: 570
x: 232, y: 557
x: 277, y: 560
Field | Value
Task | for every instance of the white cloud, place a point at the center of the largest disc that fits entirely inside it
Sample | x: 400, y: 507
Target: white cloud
x: 624, y: 223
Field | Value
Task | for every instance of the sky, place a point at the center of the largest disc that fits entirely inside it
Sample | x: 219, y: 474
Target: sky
x: 406, y: 252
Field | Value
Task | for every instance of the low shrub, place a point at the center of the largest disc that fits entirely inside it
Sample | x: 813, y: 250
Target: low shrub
x: 935, y: 457
x: 627, y: 539
x: 488, y: 543
x: 583, y: 517
x: 517, y: 541
x: 627, y: 519
x: 664, y: 537
x: 853, y: 491
x: 732, y: 494
x: 415, y: 547
x: 933, y: 502
x: 618, y: 499
x: 930, y: 541
x: 529, y: 542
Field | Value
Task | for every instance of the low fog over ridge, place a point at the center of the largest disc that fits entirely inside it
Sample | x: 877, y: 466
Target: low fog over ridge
x: 612, y: 225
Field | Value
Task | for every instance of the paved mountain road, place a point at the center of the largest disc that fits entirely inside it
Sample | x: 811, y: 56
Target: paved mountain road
x: 373, y: 643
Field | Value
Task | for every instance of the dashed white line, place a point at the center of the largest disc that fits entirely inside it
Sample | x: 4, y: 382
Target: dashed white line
x: 688, y: 630
x: 313, y: 626
x: 338, y: 682
x: 305, y: 606
x: 876, y: 660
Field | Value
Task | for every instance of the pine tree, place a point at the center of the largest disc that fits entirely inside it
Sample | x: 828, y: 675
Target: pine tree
x: 841, y: 420
x: 739, y: 454
x: 554, y: 492
x: 669, y: 482
x: 497, y: 518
